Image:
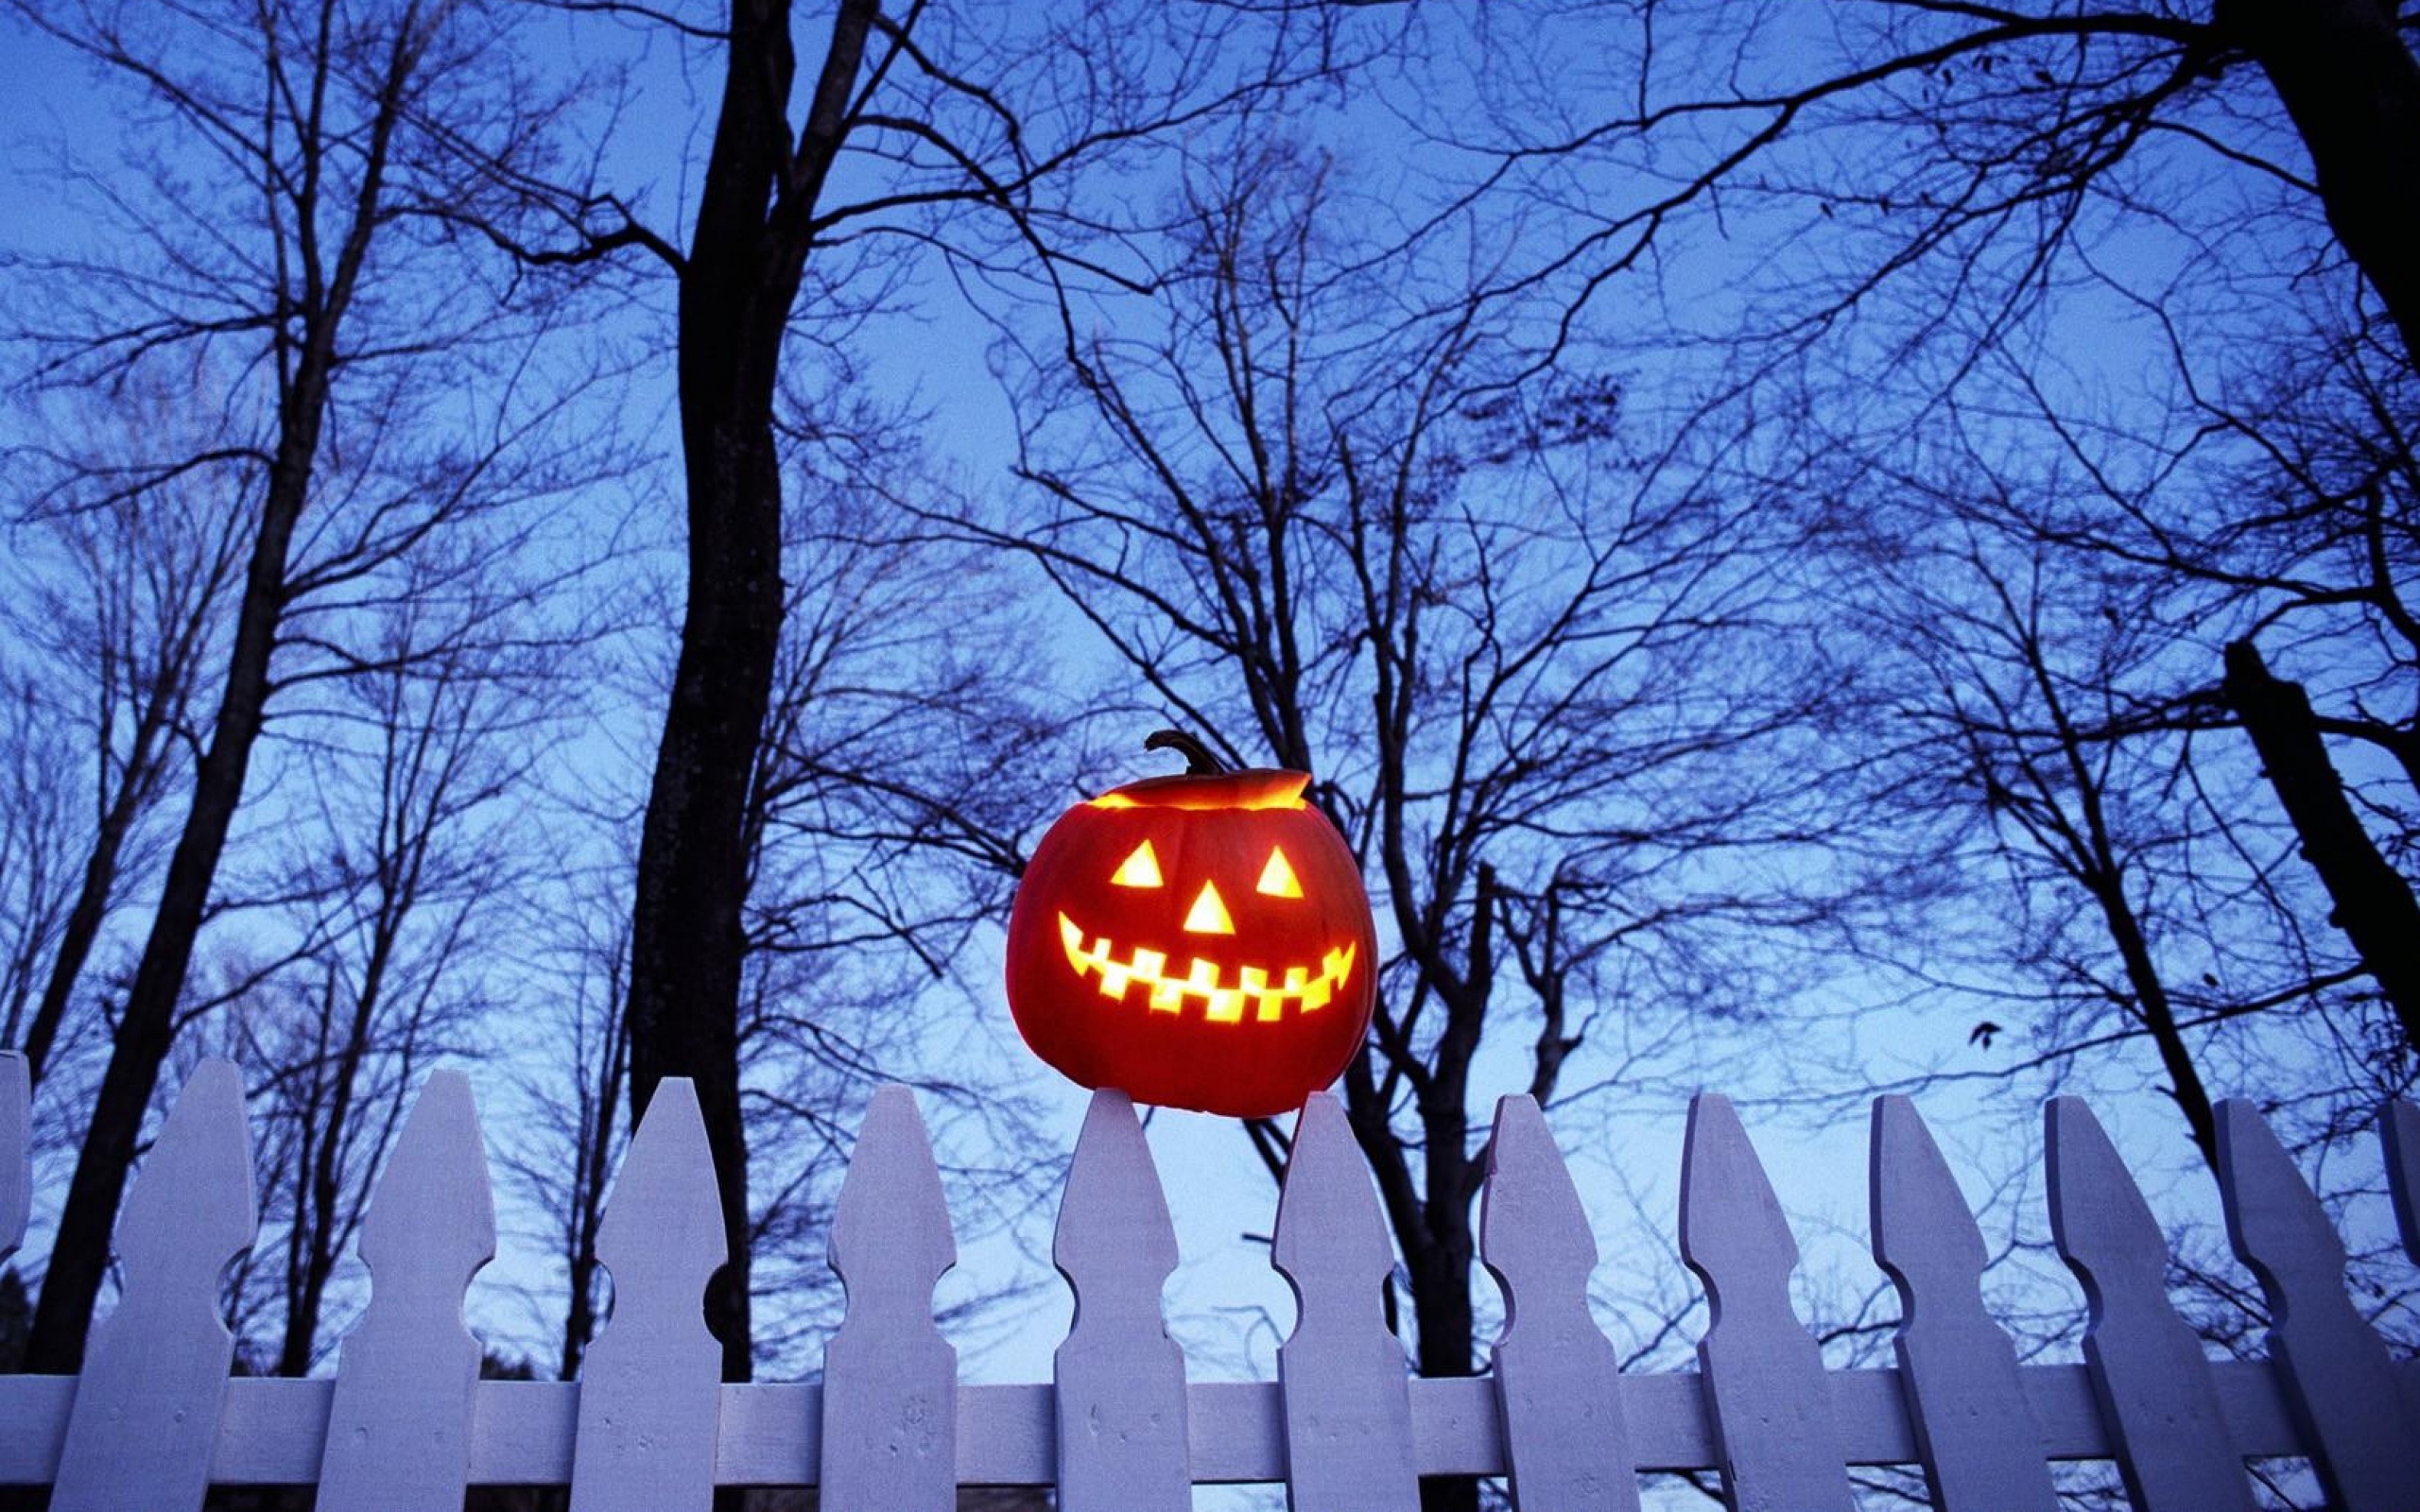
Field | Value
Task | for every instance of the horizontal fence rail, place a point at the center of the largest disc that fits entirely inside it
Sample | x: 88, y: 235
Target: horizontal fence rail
x: 155, y: 1417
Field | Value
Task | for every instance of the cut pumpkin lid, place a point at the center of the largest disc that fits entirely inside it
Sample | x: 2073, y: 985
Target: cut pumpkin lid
x: 1258, y: 787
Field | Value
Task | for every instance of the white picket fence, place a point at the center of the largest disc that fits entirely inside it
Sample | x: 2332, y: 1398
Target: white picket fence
x: 407, y: 1423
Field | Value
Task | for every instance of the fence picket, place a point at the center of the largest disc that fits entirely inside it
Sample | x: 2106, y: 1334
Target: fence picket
x: 16, y: 1151
x: 1119, y: 1378
x: 1764, y: 1378
x: 1342, y: 1374
x: 1975, y: 1437
x: 399, y: 1425
x: 2147, y: 1365
x: 2332, y: 1365
x: 1557, y: 1388
x: 651, y: 1386
x: 155, y: 1415
x: 146, y: 1416
x: 889, y: 1378
x: 2400, y: 1130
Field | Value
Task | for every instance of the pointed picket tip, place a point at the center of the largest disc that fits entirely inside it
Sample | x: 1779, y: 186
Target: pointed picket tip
x: 1123, y: 1428
x: 1567, y: 1444
x: 146, y: 1406
x: 1976, y: 1439
x: 432, y: 1219
x: 651, y: 1386
x: 665, y: 1216
x: 191, y: 1208
x: 2098, y: 1219
x: 1329, y: 1230
x: 2157, y: 1398
x: 1728, y: 1209
x: 2400, y: 1130
x: 1341, y: 1374
x: 2334, y: 1365
x: 890, y: 1414
x: 1532, y: 1227
x: 1921, y: 1222
x: 891, y: 1228
x: 400, y: 1418
x: 1761, y: 1373
x: 2270, y: 1213
x: 1114, y: 1214
x: 16, y: 1151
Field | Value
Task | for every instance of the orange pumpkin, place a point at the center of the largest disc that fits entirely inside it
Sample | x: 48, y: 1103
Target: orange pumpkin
x: 1198, y: 941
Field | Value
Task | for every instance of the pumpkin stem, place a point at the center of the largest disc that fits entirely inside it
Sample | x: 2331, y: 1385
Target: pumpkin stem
x: 1199, y: 761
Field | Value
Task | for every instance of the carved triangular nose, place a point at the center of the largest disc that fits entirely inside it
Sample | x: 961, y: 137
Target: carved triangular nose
x: 1209, y: 914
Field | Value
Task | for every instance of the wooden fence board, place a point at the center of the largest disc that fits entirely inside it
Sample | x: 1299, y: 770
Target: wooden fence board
x: 146, y: 1415
x: 2178, y: 1424
x: 2333, y: 1363
x: 270, y: 1431
x: 889, y: 1378
x: 1975, y: 1437
x: 1341, y: 1373
x: 16, y: 1151
x: 651, y: 1386
x: 2400, y: 1130
x: 1556, y: 1375
x: 772, y: 1433
x: 399, y: 1427
x: 1119, y: 1379
x: 1763, y: 1374
x: 2154, y: 1384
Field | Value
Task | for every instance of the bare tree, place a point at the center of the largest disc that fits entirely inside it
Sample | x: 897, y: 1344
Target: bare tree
x: 580, y: 1126
x: 303, y: 253
x: 415, y: 778
x: 122, y: 608
x: 37, y: 846
x: 1547, y: 678
x: 2039, y: 238
x: 911, y: 120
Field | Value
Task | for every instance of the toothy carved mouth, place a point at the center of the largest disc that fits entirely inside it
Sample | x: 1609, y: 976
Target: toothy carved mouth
x: 1304, y: 988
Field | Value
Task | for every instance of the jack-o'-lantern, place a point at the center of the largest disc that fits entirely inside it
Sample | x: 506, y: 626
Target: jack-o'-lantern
x: 1200, y: 941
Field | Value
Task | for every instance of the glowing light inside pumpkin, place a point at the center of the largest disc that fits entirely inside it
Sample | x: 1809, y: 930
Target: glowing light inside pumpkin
x: 1268, y: 994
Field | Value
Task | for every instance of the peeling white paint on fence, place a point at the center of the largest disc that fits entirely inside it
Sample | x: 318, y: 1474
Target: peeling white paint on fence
x: 155, y: 1418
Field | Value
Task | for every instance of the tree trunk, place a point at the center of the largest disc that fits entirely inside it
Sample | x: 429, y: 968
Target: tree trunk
x: 2374, y: 905
x: 315, y: 295
x: 2352, y: 87
x: 1441, y: 1285
x: 738, y: 284
x: 1435, y: 1238
x: 81, y: 1255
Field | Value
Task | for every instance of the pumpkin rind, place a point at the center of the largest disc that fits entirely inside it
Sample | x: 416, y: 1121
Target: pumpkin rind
x: 1291, y: 979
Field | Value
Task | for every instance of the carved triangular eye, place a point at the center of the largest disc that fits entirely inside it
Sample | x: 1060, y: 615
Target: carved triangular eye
x: 1277, y: 878
x: 1141, y: 868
